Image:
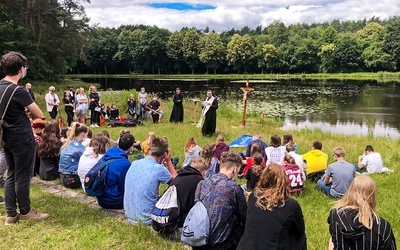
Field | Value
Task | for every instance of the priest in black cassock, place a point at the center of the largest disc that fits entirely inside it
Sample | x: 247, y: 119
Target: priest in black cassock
x: 177, y: 110
x: 210, y: 106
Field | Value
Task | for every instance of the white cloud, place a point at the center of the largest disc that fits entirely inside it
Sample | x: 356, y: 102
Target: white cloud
x: 236, y: 14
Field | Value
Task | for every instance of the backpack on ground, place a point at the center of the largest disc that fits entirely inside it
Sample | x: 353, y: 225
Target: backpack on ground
x: 165, y: 214
x: 197, y: 226
x: 95, y: 179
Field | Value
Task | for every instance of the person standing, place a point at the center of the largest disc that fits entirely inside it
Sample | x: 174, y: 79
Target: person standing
x: 177, y: 109
x: 94, y: 107
x: 28, y: 87
x: 210, y: 106
x: 69, y: 102
x: 19, y: 142
x: 81, y: 105
x: 131, y: 107
x: 142, y: 102
x: 52, y: 102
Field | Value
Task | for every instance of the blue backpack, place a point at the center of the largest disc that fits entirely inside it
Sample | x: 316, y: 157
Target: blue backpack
x: 197, y: 225
x: 95, y: 179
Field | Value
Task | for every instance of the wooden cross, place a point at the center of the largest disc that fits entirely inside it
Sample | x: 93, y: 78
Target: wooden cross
x: 245, y: 90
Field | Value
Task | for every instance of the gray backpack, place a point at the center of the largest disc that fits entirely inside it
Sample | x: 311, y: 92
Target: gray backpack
x: 197, y: 226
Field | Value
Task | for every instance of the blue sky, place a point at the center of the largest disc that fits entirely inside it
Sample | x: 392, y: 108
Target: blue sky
x: 181, y: 6
x: 220, y: 15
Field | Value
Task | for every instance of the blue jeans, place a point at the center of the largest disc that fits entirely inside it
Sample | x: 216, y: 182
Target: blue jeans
x: 325, y: 188
x: 141, y: 110
x: 20, y: 152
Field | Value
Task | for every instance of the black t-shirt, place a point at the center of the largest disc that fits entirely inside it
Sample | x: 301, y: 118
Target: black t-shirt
x: 15, y: 119
x: 154, y: 104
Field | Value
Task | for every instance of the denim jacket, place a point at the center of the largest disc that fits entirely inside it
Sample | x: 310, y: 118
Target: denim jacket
x: 69, y: 157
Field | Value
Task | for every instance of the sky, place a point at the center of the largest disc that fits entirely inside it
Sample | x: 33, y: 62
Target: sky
x: 223, y: 15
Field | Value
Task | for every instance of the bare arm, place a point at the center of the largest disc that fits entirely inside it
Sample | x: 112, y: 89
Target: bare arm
x: 35, y: 110
x: 360, y: 165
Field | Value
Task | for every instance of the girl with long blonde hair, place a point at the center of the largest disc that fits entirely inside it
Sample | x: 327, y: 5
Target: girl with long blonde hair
x: 274, y: 220
x: 354, y: 223
x: 71, y: 152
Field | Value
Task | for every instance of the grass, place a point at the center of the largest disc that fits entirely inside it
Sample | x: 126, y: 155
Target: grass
x: 73, y: 225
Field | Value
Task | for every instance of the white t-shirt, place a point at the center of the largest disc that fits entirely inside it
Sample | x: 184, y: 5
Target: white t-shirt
x: 275, y: 155
x: 86, y: 162
x: 373, y: 162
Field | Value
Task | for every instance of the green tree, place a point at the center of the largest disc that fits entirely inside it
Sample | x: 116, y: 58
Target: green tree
x: 174, y: 50
x: 391, y: 40
x: 102, y: 47
x: 240, y: 52
x: 212, y: 51
x: 347, y: 53
x: 270, y: 56
x: 327, y: 59
x: 190, y: 48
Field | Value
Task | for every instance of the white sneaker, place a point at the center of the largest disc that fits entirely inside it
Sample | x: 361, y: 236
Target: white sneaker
x: 92, y: 126
x: 96, y: 126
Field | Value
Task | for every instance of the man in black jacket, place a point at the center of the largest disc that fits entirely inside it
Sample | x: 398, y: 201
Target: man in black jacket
x: 186, y: 183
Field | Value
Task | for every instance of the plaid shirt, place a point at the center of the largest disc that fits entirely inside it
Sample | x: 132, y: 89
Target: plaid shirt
x: 224, y: 200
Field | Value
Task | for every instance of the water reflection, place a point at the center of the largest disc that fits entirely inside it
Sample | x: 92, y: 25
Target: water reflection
x: 347, y: 107
x: 347, y: 128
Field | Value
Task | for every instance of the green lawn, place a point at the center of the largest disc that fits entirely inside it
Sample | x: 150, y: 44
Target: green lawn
x: 73, y: 225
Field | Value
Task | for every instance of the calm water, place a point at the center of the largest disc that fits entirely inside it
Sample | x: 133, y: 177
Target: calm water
x: 347, y: 107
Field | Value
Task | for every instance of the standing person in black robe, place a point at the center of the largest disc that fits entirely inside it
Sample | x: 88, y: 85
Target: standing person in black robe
x: 210, y: 106
x: 177, y: 110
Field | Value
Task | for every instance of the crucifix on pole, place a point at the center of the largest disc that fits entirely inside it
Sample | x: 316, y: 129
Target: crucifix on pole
x: 245, y: 90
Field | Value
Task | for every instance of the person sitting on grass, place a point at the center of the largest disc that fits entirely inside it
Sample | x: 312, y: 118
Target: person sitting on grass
x: 220, y: 146
x: 98, y: 146
x: 338, y: 176
x: 208, y: 154
x: 186, y: 183
x: 192, y: 151
x: 254, y: 172
x: 275, y: 152
x: 249, y: 162
x: 354, y: 223
x: 256, y: 139
x: 136, y: 144
x: 146, y: 143
x: 155, y: 108
x: 143, y: 179
x: 113, y: 197
x: 370, y: 161
x: 316, y: 161
x: 294, y: 174
x: 113, y: 112
x: 298, y: 159
x: 288, y: 140
x: 71, y: 152
x: 274, y: 220
x: 225, y: 203
x: 49, y: 151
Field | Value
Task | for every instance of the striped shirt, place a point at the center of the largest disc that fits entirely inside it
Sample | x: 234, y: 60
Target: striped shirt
x: 349, y: 234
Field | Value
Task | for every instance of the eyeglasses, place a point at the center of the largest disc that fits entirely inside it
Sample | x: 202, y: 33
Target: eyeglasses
x: 26, y: 67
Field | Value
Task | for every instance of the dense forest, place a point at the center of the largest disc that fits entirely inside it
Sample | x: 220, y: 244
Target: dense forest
x: 57, y: 39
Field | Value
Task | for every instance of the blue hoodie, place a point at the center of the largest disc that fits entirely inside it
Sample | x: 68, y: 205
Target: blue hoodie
x: 115, y: 182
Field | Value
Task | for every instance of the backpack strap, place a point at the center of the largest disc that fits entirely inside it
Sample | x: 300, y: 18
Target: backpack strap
x: 6, y: 99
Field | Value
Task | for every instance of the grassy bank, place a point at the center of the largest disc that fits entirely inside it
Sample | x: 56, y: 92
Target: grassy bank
x: 378, y: 76
x: 73, y: 225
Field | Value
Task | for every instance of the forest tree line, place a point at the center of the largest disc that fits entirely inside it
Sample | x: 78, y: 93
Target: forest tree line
x: 57, y: 39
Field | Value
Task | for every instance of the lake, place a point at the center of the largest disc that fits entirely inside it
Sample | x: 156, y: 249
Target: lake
x: 346, y: 107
